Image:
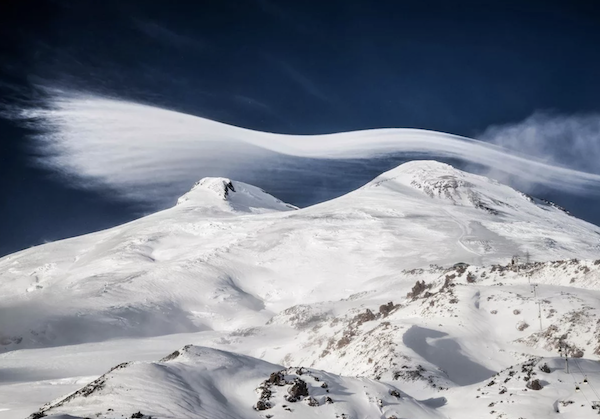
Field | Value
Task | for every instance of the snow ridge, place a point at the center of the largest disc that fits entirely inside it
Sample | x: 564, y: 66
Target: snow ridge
x: 200, y: 382
x: 239, y: 197
x: 413, y: 296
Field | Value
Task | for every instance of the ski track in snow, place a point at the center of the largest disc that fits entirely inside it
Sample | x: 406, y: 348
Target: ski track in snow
x: 464, y: 231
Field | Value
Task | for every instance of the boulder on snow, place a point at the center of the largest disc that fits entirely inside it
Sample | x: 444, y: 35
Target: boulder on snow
x: 298, y: 391
x: 534, y: 385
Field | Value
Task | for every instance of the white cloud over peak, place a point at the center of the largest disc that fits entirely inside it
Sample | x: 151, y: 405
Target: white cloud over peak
x: 153, y: 154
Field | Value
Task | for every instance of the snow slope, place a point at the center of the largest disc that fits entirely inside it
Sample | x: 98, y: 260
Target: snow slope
x: 198, y: 382
x: 364, y: 285
x: 220, y: 195
x: 254, y: 256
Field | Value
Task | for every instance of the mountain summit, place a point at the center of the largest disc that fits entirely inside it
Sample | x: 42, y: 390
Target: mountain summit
x: 222, y: 194
x: 441, y: 181
x: 420, y: 279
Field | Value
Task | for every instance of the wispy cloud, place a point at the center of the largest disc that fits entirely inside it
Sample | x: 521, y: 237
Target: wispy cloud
x: 153, y: 154
x: 168, y: 36
x: 302, y: 80
x: 567, y: 140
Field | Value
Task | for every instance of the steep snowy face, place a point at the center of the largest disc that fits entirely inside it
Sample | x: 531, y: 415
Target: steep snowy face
x: 428, y: 201
x: 224, y: 195
x: 445, y: 184
x: 230, y: 255
x: 367, y: 284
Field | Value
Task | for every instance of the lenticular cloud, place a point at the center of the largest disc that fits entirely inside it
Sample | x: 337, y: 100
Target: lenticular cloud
x: 143, y: 151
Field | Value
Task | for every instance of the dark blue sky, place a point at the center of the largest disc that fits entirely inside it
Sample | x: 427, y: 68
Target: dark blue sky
x: 290, y: 67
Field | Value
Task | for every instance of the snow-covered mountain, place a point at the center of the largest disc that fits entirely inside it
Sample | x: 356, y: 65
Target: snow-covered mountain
x: 409, y: 283
x: 220, y: 195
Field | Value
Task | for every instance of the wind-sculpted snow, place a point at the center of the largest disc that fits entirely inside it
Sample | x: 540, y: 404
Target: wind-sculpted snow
x: 418, y: 282
x: 446, y: 354
x: 254, y: 255
x: 197, y: 382
x: 150, y: 153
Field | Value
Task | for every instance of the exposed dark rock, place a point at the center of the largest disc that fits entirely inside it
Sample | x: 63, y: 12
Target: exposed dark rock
x: 460, y: 267
x: 171, y: 356
x: 346, y: 339
x: 297, y: 391
x: 228, y: 186
x: 262, y: 405
x: 386, y: 309
x: 367, y: 316
x: 418, y: 289
x: 553, y: 205
x: 276, y: 378
x: 86, y: 391
x: 534, y: 385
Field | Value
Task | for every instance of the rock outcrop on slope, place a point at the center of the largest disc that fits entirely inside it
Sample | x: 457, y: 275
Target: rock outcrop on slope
x: 407, y: 297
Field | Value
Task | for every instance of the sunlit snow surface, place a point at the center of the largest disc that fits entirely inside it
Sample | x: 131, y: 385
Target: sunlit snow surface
x: 232, y: 267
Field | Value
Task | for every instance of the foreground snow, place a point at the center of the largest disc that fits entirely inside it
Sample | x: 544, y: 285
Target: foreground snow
x: 198, y: 382
x: 361, y: 286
